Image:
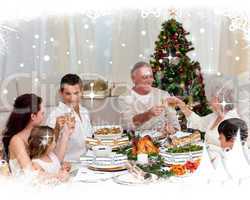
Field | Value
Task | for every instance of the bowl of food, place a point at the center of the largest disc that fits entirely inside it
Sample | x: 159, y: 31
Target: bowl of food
x: 102, y: 151
x: 108, y: 132
x: 181, y: 154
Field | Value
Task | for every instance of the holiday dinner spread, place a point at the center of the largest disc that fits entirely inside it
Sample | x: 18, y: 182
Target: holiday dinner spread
x: 142, y: 158
x: 163, y: 127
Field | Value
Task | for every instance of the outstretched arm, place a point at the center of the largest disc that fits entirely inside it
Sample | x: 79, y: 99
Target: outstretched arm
x: 62, y: 142
x: 61, y: 145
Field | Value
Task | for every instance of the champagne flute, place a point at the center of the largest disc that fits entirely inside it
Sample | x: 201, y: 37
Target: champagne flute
x: 70, y: 117
x: 173, y: 103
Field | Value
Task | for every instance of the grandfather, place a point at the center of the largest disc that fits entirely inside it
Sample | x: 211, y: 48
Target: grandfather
x: 145, y: 107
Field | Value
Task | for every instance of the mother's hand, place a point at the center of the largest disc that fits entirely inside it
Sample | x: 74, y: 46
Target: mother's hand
x: 66, y: 166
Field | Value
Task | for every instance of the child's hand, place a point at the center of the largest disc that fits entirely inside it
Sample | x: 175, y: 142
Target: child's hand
x: 60, y: 121
x: 66, y: 166
x: 68, y: 130
x: 71, y: 124
x: 63, y: 175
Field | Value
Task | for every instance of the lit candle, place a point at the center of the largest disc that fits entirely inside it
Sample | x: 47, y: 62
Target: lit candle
x: 92, y: 86
x: 92, y: 94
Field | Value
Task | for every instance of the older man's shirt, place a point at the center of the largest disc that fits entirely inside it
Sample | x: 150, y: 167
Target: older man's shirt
x: 132, y: 104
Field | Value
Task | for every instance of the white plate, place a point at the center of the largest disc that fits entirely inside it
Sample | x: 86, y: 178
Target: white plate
x: 108, y: 168
x: 109, y: 136
x: 130, y: 179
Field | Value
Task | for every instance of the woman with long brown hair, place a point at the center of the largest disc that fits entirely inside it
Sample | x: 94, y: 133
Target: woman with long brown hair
x: 28, y: 112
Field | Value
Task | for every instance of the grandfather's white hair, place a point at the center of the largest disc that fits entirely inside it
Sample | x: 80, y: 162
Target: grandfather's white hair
x: 139, y: 65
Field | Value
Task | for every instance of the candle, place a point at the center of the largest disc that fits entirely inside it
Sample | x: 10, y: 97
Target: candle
x: 4, y: 169
x: 92, y: 86
x: 92, y: 94
x: 142, y: 158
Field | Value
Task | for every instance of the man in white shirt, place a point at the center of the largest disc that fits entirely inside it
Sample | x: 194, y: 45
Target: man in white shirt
x: 144, y: 106
x: 71, y: 87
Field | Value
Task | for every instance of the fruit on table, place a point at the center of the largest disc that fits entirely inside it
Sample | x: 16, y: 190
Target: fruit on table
x: 192, y: 166
x: 189, y: 166
x: 178, y: 170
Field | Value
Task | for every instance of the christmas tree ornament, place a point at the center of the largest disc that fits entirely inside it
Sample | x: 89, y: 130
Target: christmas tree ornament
x: 170, y: 79
x: 175, y: 60
x: 182, y: 85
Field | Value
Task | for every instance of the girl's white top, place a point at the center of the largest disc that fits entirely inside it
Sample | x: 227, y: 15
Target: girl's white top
x: 50, y: 167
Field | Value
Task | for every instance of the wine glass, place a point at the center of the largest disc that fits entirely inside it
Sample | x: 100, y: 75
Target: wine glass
x: 70, y: 117
x: 172, y: 104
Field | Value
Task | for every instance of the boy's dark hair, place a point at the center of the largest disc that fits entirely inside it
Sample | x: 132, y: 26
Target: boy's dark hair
x: 71, y: 79
x: 230, y: 127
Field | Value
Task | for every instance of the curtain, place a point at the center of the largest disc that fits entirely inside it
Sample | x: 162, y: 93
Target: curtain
x: 109, y: 44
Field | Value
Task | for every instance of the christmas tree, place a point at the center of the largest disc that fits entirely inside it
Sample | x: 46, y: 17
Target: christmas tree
x: 175, y: 72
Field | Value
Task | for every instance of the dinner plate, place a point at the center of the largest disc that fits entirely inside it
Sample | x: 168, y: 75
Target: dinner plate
x: 130, y: 179
x: 107, y: 168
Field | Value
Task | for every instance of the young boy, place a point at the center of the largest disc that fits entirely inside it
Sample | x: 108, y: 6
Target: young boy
x: 71, y: 87
x: 228, y: 130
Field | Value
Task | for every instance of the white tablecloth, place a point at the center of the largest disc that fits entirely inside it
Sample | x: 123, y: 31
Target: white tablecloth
x: 86, y: 175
